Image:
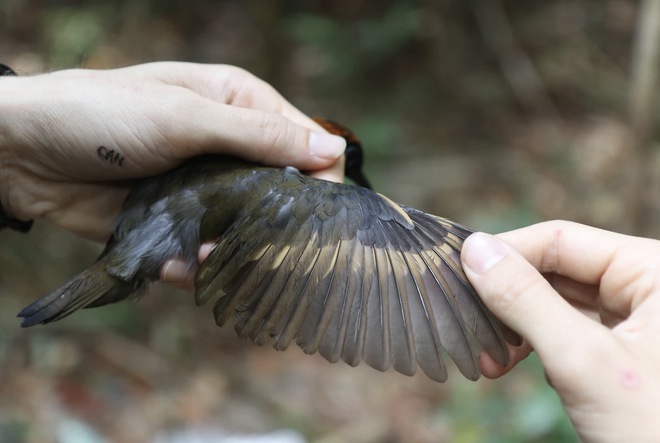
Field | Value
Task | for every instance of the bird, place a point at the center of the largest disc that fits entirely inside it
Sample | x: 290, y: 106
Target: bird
x: 337, y: 268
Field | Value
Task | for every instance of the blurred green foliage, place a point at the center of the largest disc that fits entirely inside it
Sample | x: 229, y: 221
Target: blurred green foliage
x: 440, y: 94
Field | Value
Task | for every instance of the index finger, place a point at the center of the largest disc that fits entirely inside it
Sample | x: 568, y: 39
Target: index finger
x: 582, y: 253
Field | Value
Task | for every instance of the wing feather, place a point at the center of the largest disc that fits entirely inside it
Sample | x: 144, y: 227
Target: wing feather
x: 452, y: 329
x: 328, y: 295
x: 402, y: 338
x: 350, y: 274
x: 356, y: 331
x: 242, y: 289
x: 425, y: 327
x: 253, y: 310
x: 315, y: 324
x: 376, y: 352
x: 486, y: 328
x: 307, y: 311
x: 330, y: 340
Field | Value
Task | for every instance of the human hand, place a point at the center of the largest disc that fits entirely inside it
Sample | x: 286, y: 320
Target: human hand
x: 605, y: 365
x: 72, y: 141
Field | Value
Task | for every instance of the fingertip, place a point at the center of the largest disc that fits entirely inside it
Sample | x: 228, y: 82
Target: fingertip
x: 481, y: 252
x: 173, y: 271
x: 327, y: 146
x: 204, y: 251
x: 327, y: 175
x: 490, y: 369
x: 335, y: 173
x: 177, y: 273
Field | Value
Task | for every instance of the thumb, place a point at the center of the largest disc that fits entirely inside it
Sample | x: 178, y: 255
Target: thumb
x: 519, y: 296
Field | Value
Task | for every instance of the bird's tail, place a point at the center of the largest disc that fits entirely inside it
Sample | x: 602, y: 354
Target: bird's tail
x: 90, y: 288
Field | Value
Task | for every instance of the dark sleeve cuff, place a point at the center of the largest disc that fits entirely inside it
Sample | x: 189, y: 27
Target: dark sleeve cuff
x: 12, y: 223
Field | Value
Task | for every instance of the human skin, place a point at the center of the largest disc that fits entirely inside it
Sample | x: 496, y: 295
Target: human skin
x: 73, y: 141
x: 588, y: 302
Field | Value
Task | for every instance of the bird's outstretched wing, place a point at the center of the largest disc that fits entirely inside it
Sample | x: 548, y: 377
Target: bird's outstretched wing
x: 348, y: 273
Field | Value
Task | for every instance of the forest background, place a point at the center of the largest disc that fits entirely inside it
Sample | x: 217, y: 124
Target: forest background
x: 495, y: 113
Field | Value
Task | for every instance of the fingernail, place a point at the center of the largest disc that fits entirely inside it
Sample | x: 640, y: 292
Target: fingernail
x: 325, y: 145
x: 175, y: 271
x: 483, y: 252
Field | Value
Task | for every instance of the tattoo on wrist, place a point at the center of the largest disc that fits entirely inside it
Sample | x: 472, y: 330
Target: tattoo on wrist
x: 114, y: 157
